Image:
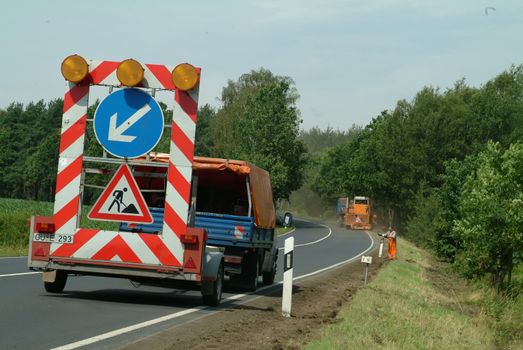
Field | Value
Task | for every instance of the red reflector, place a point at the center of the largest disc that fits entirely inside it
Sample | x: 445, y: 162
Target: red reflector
x: 189, y: 239
x: 39, y: 252
x: 190, y: 264
x: 132, y: 225
x: 45, y: 227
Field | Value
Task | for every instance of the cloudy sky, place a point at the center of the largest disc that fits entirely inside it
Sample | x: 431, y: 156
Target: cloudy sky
x: 350, y: 59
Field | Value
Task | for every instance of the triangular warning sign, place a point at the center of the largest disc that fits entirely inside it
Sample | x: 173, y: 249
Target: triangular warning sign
x: 121, y: 200
x: 190, y: 263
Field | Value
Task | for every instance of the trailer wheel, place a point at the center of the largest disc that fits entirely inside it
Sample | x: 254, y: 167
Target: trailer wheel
x: 59, y: 283
x: 215, y: 297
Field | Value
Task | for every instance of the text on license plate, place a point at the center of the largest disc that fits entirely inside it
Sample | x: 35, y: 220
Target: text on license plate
x: 52, y: 238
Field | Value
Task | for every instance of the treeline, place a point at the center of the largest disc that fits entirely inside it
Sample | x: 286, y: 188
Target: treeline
x: 447, y: 168
x: 258, y: 121
x: 29, y: 139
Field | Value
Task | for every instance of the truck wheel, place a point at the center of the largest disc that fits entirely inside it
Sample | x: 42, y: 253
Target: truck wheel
x: 268, y: 277
x: 215, y: 297
x: 59, y: 283
x: 251, y: 273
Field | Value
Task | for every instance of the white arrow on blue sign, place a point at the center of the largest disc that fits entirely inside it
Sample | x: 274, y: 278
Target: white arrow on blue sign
x: 128, y: 123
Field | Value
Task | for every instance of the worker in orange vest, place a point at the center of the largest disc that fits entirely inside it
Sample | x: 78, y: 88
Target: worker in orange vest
x: 391, y: 236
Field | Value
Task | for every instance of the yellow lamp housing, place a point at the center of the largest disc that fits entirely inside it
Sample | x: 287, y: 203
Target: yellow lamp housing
x: 130, y: 72
x: 74, y: 68
x: 185, y: 76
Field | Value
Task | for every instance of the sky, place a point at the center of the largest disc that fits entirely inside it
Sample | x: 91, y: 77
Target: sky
x: 350, y: 60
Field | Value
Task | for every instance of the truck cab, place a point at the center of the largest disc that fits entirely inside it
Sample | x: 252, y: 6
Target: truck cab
x: 358, y: 214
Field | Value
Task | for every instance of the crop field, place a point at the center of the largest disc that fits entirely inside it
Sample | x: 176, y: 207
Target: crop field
x: 14, y: 223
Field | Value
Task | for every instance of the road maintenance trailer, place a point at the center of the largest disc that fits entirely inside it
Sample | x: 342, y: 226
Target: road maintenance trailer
x: 128, y: 124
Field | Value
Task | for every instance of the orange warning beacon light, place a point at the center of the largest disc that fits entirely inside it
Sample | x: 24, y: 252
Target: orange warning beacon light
x: 74, y: 68
x: 185, y: 76
x: 130, y: 72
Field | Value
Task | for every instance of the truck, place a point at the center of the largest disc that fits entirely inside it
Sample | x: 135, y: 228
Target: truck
x: 125, y: 234
x: 358, y: 214
x: 341, y: 207
x: 232, y: 200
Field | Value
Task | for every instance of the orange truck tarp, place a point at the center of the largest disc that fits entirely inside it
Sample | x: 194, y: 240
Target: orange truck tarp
x: 259, y: 179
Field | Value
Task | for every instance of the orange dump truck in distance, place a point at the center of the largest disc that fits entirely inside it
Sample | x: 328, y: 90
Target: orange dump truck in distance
x: 358, y: 214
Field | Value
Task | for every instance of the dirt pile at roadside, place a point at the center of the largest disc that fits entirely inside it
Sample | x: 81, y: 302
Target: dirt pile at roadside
x: 259, y: 324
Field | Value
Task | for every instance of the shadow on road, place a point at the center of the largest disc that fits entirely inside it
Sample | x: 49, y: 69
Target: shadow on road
x: 176, y: 298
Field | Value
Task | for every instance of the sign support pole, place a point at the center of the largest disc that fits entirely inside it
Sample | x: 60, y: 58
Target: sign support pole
x: 366, y: 260
x: 286, y: 302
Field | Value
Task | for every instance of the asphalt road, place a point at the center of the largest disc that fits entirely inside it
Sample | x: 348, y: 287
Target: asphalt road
x: 107, y: 313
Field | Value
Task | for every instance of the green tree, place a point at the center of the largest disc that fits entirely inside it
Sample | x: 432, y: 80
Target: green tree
x: 491, y: 209
x: 204, y: 142
x: 225, y: 127
x: 317, y: 140
x: 498, y: 108
x: 164, y: 144
x: 259, y: 122
x: 269, y: 138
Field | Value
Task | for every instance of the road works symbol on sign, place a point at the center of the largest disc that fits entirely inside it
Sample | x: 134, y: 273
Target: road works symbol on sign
x: 128, y: 123
x: 121, y: 200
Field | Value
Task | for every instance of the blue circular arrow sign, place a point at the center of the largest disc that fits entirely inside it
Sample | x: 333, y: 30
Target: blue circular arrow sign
x: 128, y: 123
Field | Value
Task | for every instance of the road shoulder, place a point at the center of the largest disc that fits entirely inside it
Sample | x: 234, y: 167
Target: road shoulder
x: 259, y: 324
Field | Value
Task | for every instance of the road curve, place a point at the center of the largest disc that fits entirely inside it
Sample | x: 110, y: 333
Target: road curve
x: 106, y: 313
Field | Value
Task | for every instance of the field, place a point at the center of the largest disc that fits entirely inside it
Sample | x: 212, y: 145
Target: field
x: 14, y: 223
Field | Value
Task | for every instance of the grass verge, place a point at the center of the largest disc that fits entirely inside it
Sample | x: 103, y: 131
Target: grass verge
x: 280, y: 230
x: 13, y: 250
x: 417, y: 302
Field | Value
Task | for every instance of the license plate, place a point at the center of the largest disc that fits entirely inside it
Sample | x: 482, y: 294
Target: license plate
x: 52, y: 238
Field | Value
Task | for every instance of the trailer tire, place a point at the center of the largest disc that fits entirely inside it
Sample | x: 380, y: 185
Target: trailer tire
x: 59, y: 283
x: 215, y: 297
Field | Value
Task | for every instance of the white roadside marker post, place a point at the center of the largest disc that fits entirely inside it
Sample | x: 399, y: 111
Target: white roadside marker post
x: 366, y: 260
x: 287, y: 277
x: 381, y: 246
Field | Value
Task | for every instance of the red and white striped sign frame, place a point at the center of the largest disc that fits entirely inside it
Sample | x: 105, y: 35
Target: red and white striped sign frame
x: 112, y: 247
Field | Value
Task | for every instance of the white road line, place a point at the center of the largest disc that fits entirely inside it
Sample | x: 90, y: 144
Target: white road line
x: 12, y: 257
x: 316, y: 241
x: 288, y: 233
x: 131, y: 328
x: 127, y: 329
x: 19, y: 274
x: 340, y: 263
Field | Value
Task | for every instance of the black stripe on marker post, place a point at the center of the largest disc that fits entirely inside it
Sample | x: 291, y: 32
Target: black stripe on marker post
x: 289, y: 261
